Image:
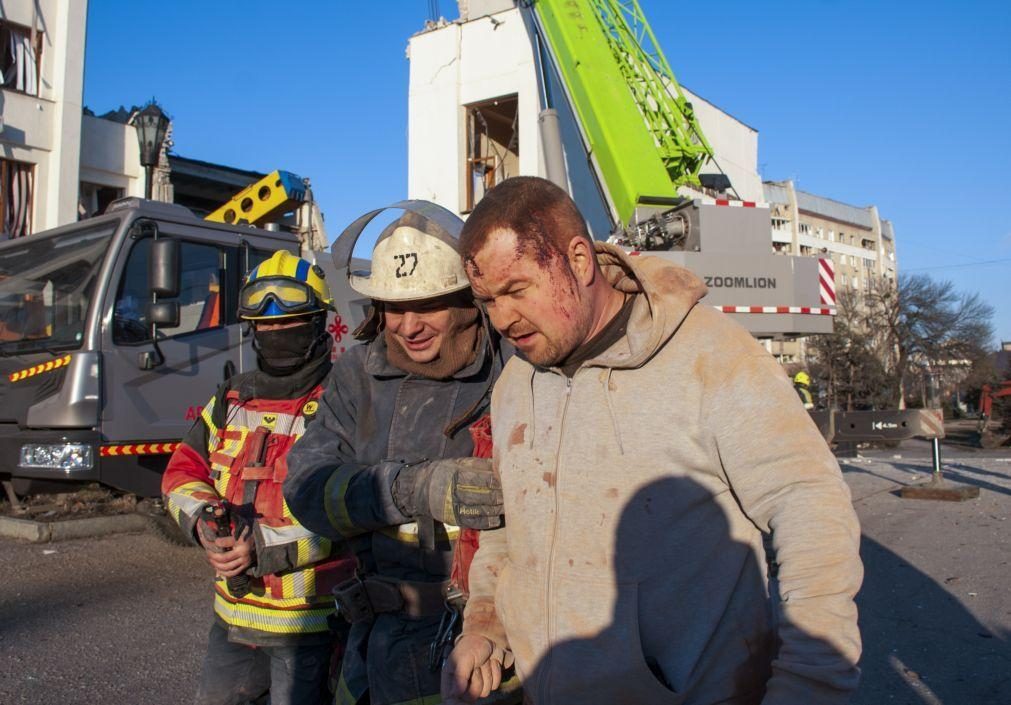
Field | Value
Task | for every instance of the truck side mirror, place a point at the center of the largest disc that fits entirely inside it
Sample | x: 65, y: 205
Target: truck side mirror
x: 163, y: 269
x: 160, y: 314
x: 164, y: 314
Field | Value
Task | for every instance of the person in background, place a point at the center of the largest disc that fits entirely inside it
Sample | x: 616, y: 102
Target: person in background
x: 802, y: 384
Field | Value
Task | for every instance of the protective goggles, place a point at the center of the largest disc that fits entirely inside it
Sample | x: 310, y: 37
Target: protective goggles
x: 277, y: 296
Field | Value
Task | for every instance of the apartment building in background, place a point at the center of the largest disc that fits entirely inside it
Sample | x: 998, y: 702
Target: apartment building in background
x: 859, y: 242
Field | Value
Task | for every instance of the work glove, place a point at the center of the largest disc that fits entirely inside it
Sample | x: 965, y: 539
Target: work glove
x: 208, y: 530
x: 460, y: 491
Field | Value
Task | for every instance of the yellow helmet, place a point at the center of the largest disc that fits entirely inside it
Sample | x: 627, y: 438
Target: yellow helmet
x: 802, y: 378
x: 282, y: 287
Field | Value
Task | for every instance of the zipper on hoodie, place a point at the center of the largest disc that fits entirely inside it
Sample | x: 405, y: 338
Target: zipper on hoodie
x: 549, y: 573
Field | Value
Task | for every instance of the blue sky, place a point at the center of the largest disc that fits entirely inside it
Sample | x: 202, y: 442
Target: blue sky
x: 903, y: 105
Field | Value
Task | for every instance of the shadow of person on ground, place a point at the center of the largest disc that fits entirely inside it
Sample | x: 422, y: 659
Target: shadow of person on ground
x: 689, y: 621
x: 957, y: 473
x: 921, y: 645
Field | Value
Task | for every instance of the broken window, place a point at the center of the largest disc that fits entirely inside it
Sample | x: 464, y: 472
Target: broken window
x: 16, y: 182
x: 19, y: 58
x: 493, y: 146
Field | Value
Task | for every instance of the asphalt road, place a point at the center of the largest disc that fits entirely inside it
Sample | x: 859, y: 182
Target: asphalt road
x: 123, y: 619
x: 935, y: 608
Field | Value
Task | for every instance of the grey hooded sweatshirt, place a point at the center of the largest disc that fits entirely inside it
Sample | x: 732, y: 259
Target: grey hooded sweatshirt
x: 631, y: 568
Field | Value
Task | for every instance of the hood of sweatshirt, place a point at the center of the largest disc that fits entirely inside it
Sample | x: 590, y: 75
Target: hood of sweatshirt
x: 631, y: 568
x: 668, y: 292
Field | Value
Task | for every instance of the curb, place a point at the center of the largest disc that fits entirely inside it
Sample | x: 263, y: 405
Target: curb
x: 45, y: 532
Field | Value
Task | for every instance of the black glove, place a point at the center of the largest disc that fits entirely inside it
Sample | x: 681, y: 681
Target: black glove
x: 212, y: 525
x: 217, y: 524
x: 460, y: 491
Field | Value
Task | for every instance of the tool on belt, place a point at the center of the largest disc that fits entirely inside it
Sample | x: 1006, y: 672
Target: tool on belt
x: 360, y: 599
x: 449, y: 628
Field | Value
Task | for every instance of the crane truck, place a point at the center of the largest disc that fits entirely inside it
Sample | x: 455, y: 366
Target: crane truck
x: 115, y: 330
x: 580, y: 92
x: 594, y: 106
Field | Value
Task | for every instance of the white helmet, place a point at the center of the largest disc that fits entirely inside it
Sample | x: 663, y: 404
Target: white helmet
x: 416, y: 257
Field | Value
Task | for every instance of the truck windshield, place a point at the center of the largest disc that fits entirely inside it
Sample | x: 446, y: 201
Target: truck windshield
x: 46, y: 287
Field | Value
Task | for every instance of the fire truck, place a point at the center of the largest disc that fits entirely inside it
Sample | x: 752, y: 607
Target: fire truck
x: 115, y: 330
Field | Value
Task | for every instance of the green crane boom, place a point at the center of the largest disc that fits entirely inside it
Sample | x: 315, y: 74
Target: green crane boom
x: 640, y: 128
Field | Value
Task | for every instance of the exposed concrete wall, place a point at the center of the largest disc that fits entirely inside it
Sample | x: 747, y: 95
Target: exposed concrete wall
x: 455, y: 66
x: 467, y: 62
x: 110, y: 155
x: 50, y: 131
x: 45, y: 130
x: 735, y: 145
x: 68, y: 88
x: 473, y: 9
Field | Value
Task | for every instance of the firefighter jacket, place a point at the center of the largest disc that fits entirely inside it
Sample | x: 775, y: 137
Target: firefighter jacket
x: 374, y: 418
x: 631, y: 567
x: 295, y: 569
x: 805, y: 396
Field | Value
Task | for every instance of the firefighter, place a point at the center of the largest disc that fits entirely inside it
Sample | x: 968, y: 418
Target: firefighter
x: 273, y: 576
x: 386, y: 463
x: 802, y: 383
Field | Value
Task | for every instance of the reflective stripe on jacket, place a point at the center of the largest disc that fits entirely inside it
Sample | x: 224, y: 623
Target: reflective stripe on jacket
x: 295, y: 569
x: 372, y: 420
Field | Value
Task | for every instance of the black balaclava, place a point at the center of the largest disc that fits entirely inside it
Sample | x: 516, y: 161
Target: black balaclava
x: 283, y: 351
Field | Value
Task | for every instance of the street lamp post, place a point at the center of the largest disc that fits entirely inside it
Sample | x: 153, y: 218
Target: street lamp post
x: 152, y: 124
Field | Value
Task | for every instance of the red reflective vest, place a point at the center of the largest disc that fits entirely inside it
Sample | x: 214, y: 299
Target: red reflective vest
x: 295, y: 569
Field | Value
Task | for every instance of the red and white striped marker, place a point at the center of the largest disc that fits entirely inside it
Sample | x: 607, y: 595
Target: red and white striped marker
x: 777, y: 309
x: 826, y: 281
x: 732, y: 204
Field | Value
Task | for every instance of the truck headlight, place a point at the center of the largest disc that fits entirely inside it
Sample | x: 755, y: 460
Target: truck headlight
x: 57, y: 456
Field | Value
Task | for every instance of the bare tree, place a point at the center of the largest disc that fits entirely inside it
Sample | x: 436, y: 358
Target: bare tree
x: 850, y: 372
x: 927, y: 324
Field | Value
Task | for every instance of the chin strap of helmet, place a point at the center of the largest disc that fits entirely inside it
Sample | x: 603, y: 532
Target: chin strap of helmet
x: 369, y: 329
